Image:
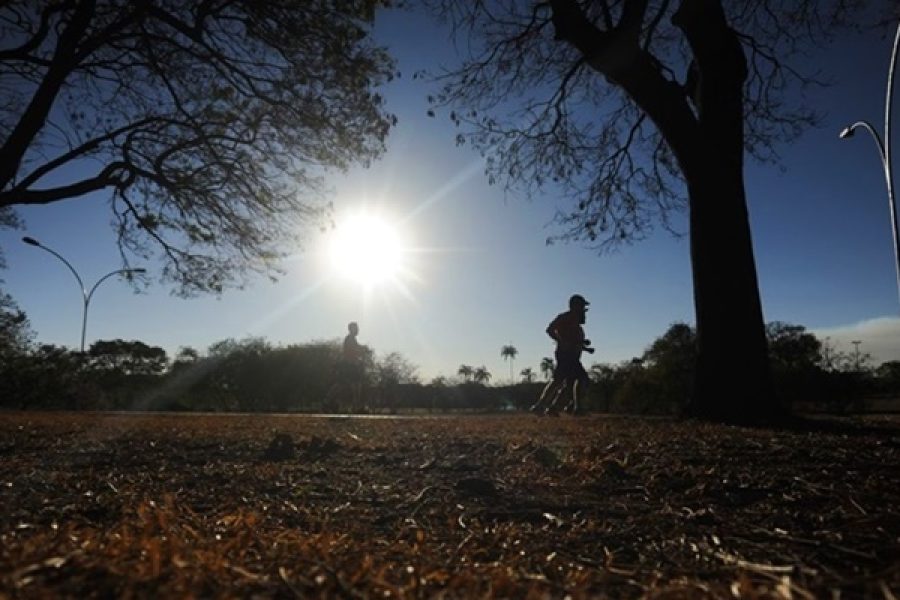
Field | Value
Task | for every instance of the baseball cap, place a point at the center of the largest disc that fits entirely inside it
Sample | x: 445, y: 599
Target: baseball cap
x: 577, y: 300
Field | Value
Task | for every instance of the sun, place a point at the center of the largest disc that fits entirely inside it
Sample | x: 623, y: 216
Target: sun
x: 366, y: 249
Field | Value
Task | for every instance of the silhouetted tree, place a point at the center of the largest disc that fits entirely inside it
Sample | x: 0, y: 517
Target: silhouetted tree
x: 888, y: 375
x: 660, y: 380
x: 185, y: 358
x: 47, y: 376
x: 527, y: 374
x: 254, y: 375
x: 547, y: 367
x: 234, y: 381
x: 128, y: 357
x: 840, y: 360
x: 509, y: 353
x: 792, y: 348
x: 187, y: 354
x: 481, y: 375
x: 672, y: 359
x: 466, y: 372
x: 15, y: 332
x: 311, y: 370
x: 605, y: 379
x: 208, y: 123
x: 393, y: 369
x: 621, y: 105
x: 15, y: 338
x: 391, y: 372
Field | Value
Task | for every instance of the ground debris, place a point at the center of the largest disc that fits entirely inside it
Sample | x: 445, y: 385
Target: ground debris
x: 280, y: 448
x: 317, y: 448
x: 479, y: 506
x: 476, y: 486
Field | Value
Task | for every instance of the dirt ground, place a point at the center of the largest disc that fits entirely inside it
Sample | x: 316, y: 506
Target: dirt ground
x: 147, y: 506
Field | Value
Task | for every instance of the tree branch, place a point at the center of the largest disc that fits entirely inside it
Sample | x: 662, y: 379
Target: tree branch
x: 35, y: 115
x: 620, y: 58
x: 74, y: 153
x: 31, y: 197
x: 23, y: 51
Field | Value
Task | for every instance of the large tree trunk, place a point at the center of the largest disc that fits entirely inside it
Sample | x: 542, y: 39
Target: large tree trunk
x: 732, y: 381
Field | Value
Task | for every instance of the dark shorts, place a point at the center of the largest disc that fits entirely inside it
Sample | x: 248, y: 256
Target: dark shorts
x: 350, y: 372
x: 568, y: 366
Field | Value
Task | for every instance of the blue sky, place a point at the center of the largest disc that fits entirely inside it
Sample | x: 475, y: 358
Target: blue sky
x: 483, y: 274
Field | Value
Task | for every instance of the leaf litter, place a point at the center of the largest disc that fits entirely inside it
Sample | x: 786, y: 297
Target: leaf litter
x: 145, y: 506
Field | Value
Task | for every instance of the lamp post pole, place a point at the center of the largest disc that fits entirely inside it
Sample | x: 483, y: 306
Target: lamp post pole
x: 884, y: 150
x: 86, y: 294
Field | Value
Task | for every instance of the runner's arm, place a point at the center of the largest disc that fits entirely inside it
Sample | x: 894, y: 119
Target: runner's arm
x: 553, y: 329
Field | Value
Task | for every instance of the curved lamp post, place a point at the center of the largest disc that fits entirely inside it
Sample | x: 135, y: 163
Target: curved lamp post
x: 884, y: 150
x: 86, y: 294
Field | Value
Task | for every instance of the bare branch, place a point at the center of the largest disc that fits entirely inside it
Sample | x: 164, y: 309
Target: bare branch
x: 106, y: 178
x: 573, y: 129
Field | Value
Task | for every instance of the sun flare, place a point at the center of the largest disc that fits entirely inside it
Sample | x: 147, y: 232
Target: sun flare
x: 366, y: 249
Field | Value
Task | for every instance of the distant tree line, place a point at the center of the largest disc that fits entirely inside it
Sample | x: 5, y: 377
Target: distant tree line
x: 254, y: 375
x: 246, y: 375
x: 809, y: 375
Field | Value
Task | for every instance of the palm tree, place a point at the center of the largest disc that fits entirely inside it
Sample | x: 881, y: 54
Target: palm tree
x: 509, y: 352
x: 547, y: 367
x: 466, y: 372
x: 527, y: 375
x: 481, y: 375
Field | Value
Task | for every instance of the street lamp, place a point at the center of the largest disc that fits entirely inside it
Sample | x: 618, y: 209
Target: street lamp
x: 884, y: 150
x: 85, y: 294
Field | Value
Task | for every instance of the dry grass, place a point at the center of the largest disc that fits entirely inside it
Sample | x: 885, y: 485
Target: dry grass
x: 514, y: 506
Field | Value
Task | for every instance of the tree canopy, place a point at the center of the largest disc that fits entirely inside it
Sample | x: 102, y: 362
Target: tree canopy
x: 15, y: 332
x: 132, y: 357
x: 546, y: 92
x: 792, y: 348
x: 209, y: 124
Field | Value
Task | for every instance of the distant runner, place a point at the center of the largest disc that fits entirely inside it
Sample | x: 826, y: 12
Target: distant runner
x: 568, y: 334
x: 351, y: 369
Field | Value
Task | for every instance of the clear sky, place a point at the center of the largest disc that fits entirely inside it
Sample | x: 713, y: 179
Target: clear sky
x: 480, y: 275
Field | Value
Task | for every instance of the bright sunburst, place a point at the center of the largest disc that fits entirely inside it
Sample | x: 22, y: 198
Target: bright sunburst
x: 366, y: 249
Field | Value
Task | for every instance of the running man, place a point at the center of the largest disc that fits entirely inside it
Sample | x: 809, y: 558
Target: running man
x: 568, y: 334
x: 351, y: 370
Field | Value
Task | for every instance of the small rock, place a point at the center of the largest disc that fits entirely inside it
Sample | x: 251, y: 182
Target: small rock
x: 280, y: 448
x: 546, y: 457
x: 318, y: 447
x: 614, y: 469
x: 476, y: 486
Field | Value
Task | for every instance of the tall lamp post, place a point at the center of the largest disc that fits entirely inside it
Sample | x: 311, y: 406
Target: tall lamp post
x: 86, y: 294
x: 884, y: 150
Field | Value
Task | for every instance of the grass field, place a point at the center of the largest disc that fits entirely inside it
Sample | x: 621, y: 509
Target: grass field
x: 514, y: 506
